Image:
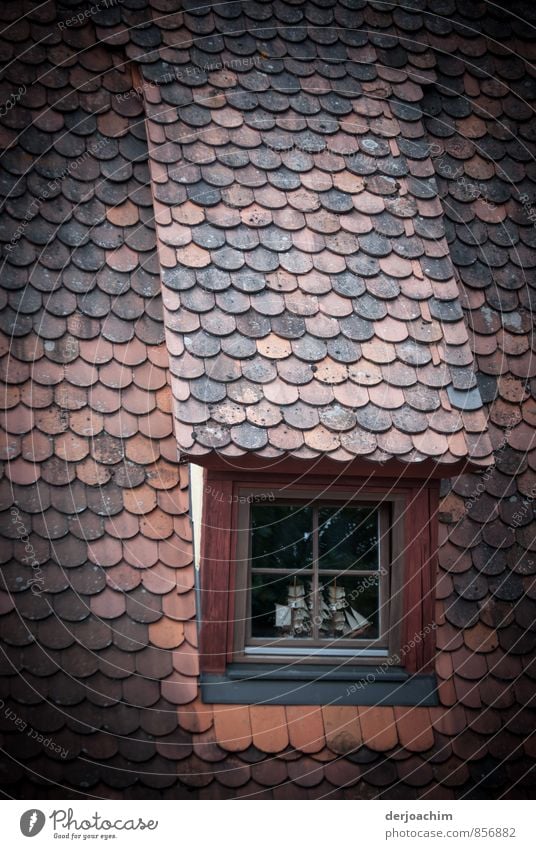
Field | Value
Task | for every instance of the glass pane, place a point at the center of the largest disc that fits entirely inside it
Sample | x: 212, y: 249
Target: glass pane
x: 348, y: 538
x: 349, y: 607
x: 281, y: 536
x: 281, y: 607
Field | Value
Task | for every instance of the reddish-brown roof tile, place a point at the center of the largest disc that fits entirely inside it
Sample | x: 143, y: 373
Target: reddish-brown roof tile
x: 269, y: 728
x: 232, y: 727
x: 378, y: 726
x: 342, y: 728
x: 305, y: 728
x: 414, y: 728
x: 195, y: 717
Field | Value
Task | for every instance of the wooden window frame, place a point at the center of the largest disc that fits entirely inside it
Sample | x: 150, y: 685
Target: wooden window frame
x: 249, y: 649
x: 417, y: 502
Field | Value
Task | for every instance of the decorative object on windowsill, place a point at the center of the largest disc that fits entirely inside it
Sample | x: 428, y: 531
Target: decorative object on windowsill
x: 343, y: 619
x: 293, y: 618
x: 336, y: 616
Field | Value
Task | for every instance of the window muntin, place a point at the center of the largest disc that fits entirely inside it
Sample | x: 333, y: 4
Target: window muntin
x: 313, y: 575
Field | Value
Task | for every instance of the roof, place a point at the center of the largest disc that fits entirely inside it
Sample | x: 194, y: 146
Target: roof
x: 100, y: 656
x: 311, y: 305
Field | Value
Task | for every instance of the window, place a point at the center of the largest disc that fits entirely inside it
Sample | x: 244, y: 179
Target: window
x: 313, y: 577
x: 309, y: 588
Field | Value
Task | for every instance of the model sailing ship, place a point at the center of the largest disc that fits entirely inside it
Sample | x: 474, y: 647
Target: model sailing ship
x: 336, y: 615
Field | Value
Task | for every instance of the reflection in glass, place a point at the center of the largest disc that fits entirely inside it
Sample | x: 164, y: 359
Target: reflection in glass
x: 281, y: 536
x: 348, y: 538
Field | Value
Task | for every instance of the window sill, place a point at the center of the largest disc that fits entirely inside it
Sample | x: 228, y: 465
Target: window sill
x: 312, y: 684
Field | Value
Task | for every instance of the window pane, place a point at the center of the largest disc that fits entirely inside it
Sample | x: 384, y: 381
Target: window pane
x: 281, y: 536
x: 349, y: 608
x: 348, y: 538
x: 280, y: 607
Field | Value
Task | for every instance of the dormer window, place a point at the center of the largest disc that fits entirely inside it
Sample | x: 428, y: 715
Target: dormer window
x: 314, y: 574
x: 315, y: 589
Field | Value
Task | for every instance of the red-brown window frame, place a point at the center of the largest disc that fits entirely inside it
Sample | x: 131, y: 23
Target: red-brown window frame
x: 297, y: 494
x: 221, y: 500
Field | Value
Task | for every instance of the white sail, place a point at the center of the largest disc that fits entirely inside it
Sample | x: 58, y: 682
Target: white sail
x: 336, y: 614
x: 293, y: 618
x: 283, y: 616
x: 355, y: 621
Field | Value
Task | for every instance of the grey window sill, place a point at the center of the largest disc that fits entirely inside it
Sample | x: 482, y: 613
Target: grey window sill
x: 251, y: 683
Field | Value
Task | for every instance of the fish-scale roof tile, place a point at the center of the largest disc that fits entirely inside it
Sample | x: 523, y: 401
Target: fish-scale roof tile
x: 361, y: 184
x: 325, y: 170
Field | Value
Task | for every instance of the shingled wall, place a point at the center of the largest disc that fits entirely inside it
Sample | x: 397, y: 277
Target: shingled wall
x: 99, y: 639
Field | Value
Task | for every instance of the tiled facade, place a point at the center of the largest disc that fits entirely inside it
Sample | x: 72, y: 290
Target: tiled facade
x: 284, y: 155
